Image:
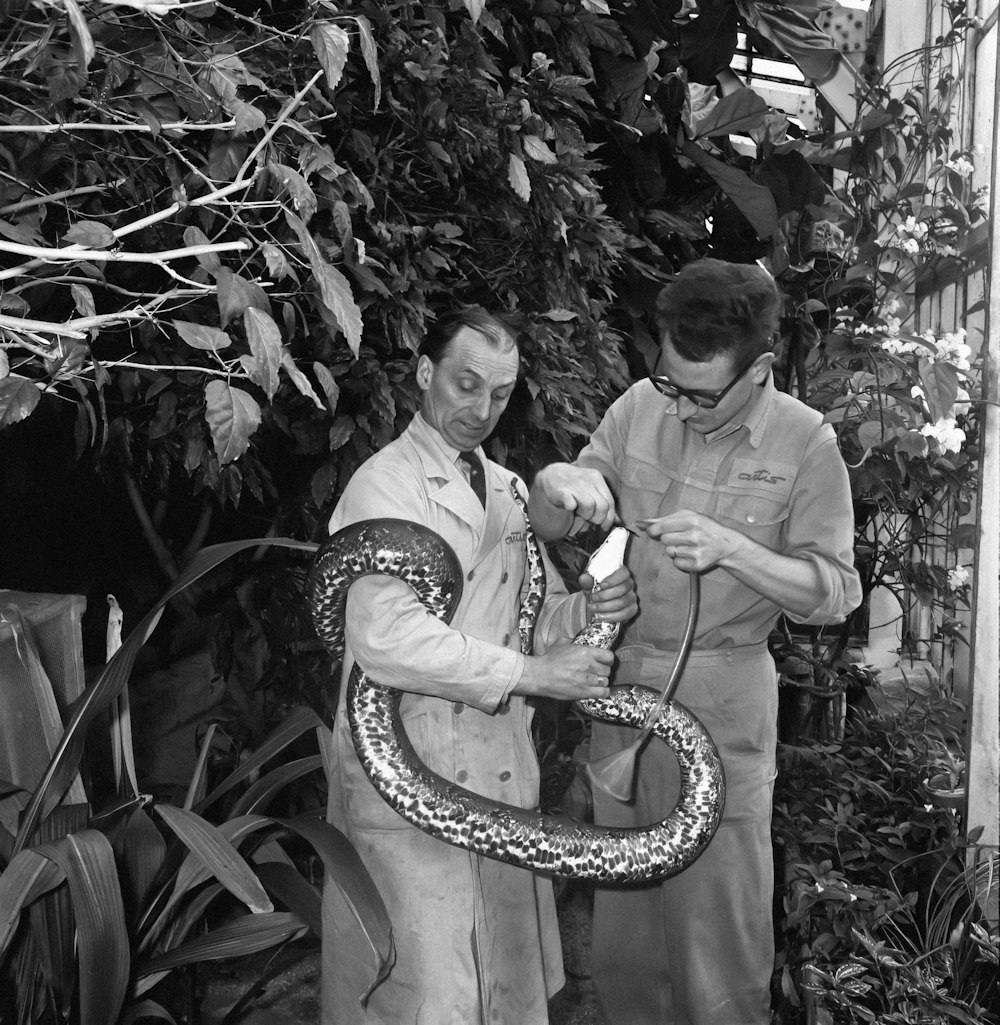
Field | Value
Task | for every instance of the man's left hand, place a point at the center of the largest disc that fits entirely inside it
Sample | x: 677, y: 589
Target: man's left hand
x: 695, y: 542
x: 614, y: 601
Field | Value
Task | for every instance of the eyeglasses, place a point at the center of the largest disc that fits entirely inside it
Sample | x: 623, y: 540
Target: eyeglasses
x: 704, y: 399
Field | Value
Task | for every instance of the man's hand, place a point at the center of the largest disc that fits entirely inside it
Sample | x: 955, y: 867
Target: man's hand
x: 568, y: 672
x: 573, y: 495
x: 695, y: 542
x: 614, y: 601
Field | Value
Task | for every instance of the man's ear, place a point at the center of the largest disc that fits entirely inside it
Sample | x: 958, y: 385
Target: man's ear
x: 424, y: 367
x: 761, y: 366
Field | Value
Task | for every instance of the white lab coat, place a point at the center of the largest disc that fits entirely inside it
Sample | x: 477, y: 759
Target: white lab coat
x: 476, y: 940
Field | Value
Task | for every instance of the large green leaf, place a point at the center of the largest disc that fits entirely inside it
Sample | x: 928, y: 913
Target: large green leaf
x: 63, y: 766
x: 212, y: 848
x: 88, y: 862
x: 298, y: 721
x: 232, y: 415
x: 26, y: 878
x: 245, y: 935
x: 753, y: 201
x: 346, y: 870
x: 257, y: 797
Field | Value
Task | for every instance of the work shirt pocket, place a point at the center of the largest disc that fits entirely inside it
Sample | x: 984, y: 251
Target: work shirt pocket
x: 755, y: 500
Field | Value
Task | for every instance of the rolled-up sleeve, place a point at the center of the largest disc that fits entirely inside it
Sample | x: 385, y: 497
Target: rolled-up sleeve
x: 821, y: 530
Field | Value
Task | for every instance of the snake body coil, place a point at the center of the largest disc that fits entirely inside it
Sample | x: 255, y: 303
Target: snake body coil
x: 457, y: 816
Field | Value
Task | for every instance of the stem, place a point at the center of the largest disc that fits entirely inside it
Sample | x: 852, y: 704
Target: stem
x: 94, y: 126
x: 75, y: 254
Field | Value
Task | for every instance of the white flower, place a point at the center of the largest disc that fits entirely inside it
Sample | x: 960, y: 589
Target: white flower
x: 946, y: 433
x: 961, y: 166
x: 962, y: 403
x: 864, y: 329
x: 911, y: 226
x: 957, y: 578
x: 892, y: 326
x: 843, y: 313
x: 897, y: 347
x: 910, y: 245
x: 540, y: 61
x: 951, y: 348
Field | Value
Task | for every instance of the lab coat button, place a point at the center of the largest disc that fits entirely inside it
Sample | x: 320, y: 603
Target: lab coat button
x: 462, y: 776
x: 505, y: 709
x: 470, y: 574
x: 751, y: 518
x: 503, y: 578
x: 459, y: 708
x: 504, y: 776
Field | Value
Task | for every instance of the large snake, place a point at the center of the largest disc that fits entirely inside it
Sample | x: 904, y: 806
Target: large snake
x: 447, y: 811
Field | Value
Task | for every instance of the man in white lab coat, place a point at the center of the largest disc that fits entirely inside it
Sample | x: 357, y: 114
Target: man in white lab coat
x: 476, y: 940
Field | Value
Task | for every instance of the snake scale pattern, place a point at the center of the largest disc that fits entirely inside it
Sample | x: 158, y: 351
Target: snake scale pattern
x: 457, y: 816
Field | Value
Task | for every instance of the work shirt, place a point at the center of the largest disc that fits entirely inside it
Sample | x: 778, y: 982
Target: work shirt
x: 775, y: 474
x: 484, y: 941
x: 697, y: 949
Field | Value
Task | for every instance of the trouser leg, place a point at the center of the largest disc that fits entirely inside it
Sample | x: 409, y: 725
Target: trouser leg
x: 696, y: 949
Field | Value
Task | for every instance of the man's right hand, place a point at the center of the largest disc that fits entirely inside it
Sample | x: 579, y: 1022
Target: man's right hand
x: 565, y: 498
x: 567, y: 672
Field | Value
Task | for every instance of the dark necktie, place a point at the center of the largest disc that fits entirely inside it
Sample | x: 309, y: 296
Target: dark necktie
x: 476, y: 476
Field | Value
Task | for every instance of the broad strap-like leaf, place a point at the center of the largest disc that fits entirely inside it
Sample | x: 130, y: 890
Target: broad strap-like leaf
x: 258, y: 797
x: 26, y: 878
x: 88, y: 862
x: 210, y: 846
x: 298, y: 721
x: 114, y: 676
x: 245, y: 935
x: 347, y: 872
x: 288, y: 885
x: 147, y: 1009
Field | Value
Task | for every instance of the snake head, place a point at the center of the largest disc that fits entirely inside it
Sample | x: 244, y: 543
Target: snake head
x: 609, y: 556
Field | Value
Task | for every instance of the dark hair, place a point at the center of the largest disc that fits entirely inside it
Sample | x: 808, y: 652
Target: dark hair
x: 496, y: 331
x: 713, y: 307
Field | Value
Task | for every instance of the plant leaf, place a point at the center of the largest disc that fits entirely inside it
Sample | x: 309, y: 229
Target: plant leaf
x: 331, y: 44
x: 201, y: 336
x: 517, y: 176
x: 18, y: 398
x: 91, y: 234
x: 298, y: 721
x: 208, y: 844
x: 102, y: 938
x: 244, y: 936
x: 299, y: 379
x: 232, y: 415
x: 370, y: 54
x: 264, y: 339
x: 338, y: 298
x: 329, y: 385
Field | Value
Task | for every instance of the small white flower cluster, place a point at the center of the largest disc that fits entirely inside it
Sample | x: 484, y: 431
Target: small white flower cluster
x: 950, y: 348
x: 961, y: 166
x: 958, y: 578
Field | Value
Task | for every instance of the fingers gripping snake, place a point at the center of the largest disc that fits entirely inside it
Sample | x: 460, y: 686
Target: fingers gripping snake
x: 447, y: 811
